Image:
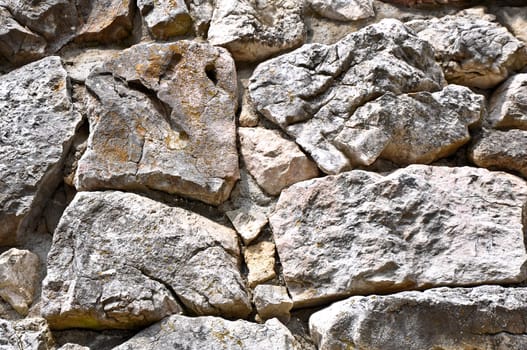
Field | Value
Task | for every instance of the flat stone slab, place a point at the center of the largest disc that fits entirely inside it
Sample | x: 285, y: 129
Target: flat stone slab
x: 508, y: 104
x: 120, y: 260
x: 419, y: 227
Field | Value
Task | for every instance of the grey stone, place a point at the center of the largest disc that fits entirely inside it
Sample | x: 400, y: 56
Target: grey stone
x: 165, y: 18
x: 487, y: 317
x: 19, y: 276
x: 104, y: 21
x: 26, y: 334
x: 473, y: 49
x: 419, y: 227
x: 501, y: 150
x: 412, y: 128
x: 515, y: 18
x: 163, y: 120
x: 312, y: 91
x: 120, y: 260
x: 274, y: 162
x: 37, y: 124
x: 211, y: 333
x: 508, y: 104
x: 272, y: 301
x: 344, y: 10
x: 254, y: 30
x: 72, y: 346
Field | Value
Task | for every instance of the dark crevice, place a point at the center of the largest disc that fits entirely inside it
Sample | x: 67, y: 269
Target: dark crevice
x: 212, y: 74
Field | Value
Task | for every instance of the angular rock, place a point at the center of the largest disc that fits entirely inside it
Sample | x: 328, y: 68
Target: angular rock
x: 344, y: 10
x: 418, y: 227
x: 248, y: 117
x: 105, y: 21
x: 37, y: 124
x: 26, y: 334
x: 501, y: 150
x: 201, y: 13
x: 508, y: 104
x: 19, y: 277
x: 426, y: 2
x: 254, y: 30
x: 515, y: 18
x: 18, y: 45
x: 198, y: 333
x: 163, y: 120
x: 411, y: 128
x: 120, y: 260
x: 312, y: 92
x: 165, y: 18
x: 72, y: 346
x: 272, y: 301
x: 472, y: 49
x: 259, y: 258
x: 273, y: 161
x: 487, y: 317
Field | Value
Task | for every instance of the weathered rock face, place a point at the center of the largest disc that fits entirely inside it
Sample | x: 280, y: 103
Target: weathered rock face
x: 37, y: 123
x: 163, y: 120
x: 508, y: 104
x: 259, y: 258
x: 426, y: 2
x: 27, y: 334
x: 253, y: 30
x: 312, y: 92
x: 515, y: 18
x: 502, y: 150
x: 411, y: 128
x: 273, y: 161
x: 488, y: 317
x: 165, y: 18
x: 418, y: 227
x: 272, y: 301
x: 472, y: 49
x: 199, y: 333
x: 344, y: 10
x: 18, y: 278
x: 120, y: 260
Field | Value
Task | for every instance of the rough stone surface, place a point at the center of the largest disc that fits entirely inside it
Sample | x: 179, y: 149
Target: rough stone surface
x: 37, y: 123
x: 411, y: 128
x: 312, y: 92
x: 259, y: 258
x: 19, y: 276
x: 165, y: 18
x: 472, y: 49
x: 253, y: 30
x: 501, y: 150
x: 164, y: 120
x: 104, y: 21
x: 71, y: 346
x: 273, y: 161
x: 26, y: 334
x: 272, y: 301
x: 488, y: 317
x: 515, y: 18
x: 198, y: 333
x: 344, y: 10
x: 120, y: 260
x: 419, y: 227
x: 508, y: 104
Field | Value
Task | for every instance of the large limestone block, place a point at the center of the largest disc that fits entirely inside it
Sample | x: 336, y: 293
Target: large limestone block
x: 502, y: 150
x: 481, y: 318
x: 473, y: 49
x: 508, y: 104
x: 419, y: 227
x: 273, y: 161
x: 26, y: 334
x: 105, y: 21
x: 344, y: 10
x: 119, y: 260
x: 411, y: 128
x: 253, y: 30
x: 312, y: 91
x: 163, y: 119
x: 37, y: 124
x: 165, y: 18
x: 199, y: 333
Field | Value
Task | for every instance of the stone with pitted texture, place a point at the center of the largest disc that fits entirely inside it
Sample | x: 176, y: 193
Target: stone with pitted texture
x: 120, y: 260
x: 487, y: 317
x: 165, y: 18
x: 26, y: 334
x: 422, y: 226
x: 104, y: 21
x: 260, y: 261
x: 508, y: 104
x: 37, y: 124
x: 163, y: 119
x: 344, y: 10
x: 312, y: 91
x: 272, y: 301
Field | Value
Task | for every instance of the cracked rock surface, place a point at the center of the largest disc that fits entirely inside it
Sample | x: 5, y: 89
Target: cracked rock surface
x: 165, y: 18
x: 26, y: 334
x: 508, y: 104
x: 418, y: 227
x: 162, y: 118
x: 120, y: 260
